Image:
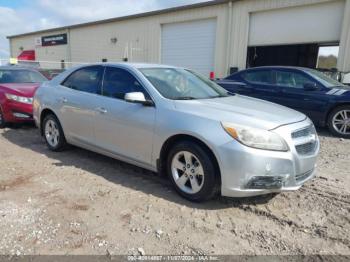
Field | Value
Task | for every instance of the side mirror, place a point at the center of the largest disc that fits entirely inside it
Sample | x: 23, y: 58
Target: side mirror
x: 138, y: 98
x: 309, y: 86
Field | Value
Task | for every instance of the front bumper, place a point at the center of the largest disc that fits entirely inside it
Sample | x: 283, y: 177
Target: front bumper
x: 249, y: 172
x: 15, y: 112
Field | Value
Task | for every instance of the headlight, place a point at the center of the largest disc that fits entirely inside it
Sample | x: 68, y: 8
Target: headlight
x: 256, y: 138
x: 20, y: 99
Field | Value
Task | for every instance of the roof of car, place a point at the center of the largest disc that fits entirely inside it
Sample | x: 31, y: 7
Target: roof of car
x: 279, y: 67
x: 139, y: 65
x: 129, y: 65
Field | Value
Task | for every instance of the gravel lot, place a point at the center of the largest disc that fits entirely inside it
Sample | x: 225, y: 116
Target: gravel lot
x: 78, y: 202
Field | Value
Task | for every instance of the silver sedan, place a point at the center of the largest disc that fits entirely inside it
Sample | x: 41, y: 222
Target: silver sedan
x: 174, y: 121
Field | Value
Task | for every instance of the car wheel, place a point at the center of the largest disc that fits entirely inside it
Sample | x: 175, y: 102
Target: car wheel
x: 53, y: 133
x: 339, y: 122
x: 2, y: 120
x: 193, y: 172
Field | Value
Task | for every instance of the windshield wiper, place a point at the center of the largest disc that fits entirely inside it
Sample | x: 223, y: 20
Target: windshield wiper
x: 184, y: 98
x: 218, y: 96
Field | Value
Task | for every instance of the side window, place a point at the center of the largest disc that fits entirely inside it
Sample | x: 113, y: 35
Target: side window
x: 291, y: 79
x: 87, y: 80
x: 258, y: 77
x: 117, y: 82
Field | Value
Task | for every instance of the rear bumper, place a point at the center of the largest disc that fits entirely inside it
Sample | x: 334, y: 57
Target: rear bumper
x: 249, y: 172
x: 17, y: 112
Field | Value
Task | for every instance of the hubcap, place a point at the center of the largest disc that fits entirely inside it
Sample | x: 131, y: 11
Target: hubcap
x: 341, y: 122
x: 187, y: 172
x: 52, y: 133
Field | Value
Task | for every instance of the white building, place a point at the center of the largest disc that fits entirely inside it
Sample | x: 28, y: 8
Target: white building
x: 215, y: 36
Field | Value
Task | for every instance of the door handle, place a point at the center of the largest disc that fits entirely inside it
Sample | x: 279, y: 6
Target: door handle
x: 101, y: 110
x: 64, y: 100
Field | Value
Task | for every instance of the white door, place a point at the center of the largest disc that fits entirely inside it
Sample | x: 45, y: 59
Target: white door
x: 316, y: 23
x: 190, y: 45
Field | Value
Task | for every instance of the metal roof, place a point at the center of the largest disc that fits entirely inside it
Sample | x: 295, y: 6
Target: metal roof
x: 116, y: 19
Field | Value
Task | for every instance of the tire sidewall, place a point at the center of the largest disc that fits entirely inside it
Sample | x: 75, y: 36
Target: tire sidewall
x: 2, y: 122
x: 210, y: 186
x: 62, y: 141
x: 330, y: 121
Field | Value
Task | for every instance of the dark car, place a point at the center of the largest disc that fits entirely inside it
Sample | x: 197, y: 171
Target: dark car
x: 323, y: 99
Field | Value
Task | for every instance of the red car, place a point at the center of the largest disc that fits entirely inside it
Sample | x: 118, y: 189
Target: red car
x: 17, y: 88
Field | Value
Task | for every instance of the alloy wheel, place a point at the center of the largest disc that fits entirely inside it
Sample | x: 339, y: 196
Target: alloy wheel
x: 341, y: 122
x: 187, y: 172
x: 52, y: 133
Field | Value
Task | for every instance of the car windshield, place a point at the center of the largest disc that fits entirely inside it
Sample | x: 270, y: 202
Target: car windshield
x: 20, y: 76
x: 325, y: 80
x: 182, y: 84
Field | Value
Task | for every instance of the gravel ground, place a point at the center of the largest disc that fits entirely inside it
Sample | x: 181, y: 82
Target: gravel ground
x: 78, y: 202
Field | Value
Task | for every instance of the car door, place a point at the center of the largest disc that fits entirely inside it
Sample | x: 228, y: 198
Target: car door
x: 121, y: 127
x: 77, y: 99
x: 311, y: 102
x: 260, y: 84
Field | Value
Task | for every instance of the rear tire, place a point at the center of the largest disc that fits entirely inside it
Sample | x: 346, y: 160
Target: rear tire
x: 53, y: 133
x: 192, y: 172
x: 2, y: 120
x: 339, y: 121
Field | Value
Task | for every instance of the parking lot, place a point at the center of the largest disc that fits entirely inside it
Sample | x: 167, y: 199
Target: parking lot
x: 78, y: 202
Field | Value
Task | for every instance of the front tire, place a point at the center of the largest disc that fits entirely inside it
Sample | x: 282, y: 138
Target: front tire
x: 2, y: 120
x: 53, y: 133
x: 192, y: 172
x: 339, y: 122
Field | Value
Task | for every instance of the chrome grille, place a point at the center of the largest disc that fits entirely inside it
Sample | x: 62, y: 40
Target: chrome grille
x: 306, y: 149
x: 302, y: 132
x: 305, y: 140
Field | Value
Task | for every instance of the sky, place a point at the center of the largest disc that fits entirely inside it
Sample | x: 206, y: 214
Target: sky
x: 21, y: 16
x: 329, y: 50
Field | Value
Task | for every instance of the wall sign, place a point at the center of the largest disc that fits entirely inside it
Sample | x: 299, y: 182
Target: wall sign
x: 54, y: 40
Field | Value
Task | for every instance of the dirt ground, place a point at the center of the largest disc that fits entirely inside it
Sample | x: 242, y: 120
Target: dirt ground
x: 78, y: 202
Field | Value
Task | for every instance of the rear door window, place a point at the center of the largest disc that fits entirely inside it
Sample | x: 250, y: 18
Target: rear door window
x: 291, y: 79
x: 87, y: 80
x: 259, y: 77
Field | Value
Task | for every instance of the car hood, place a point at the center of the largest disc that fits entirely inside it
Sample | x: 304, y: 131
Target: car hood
x: 27, y: 90
x: 242, y: 110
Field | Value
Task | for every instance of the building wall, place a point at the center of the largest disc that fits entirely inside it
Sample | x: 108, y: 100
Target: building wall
x: 344, y: 49
x: 51, y: 53
x: 143, y: 35
x: 240, y: 24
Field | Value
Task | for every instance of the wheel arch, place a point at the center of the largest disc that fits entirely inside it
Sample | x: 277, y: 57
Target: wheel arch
x: 333, y: 107
x: 167, y: 145
x: 44, y: 113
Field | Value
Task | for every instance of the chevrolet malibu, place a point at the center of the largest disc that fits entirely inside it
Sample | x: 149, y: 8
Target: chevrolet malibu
x: 174, y: 121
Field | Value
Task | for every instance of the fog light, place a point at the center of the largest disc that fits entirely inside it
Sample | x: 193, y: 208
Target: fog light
x: 20, y: 115
x: 266, y: 182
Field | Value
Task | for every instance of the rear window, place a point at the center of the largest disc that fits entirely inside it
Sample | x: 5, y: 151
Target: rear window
x: 258, y: 77
x: 87, y: 79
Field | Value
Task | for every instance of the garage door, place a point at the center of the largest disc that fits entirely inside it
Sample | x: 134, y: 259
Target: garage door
x: 190, y: 45
x: 306, y: 24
